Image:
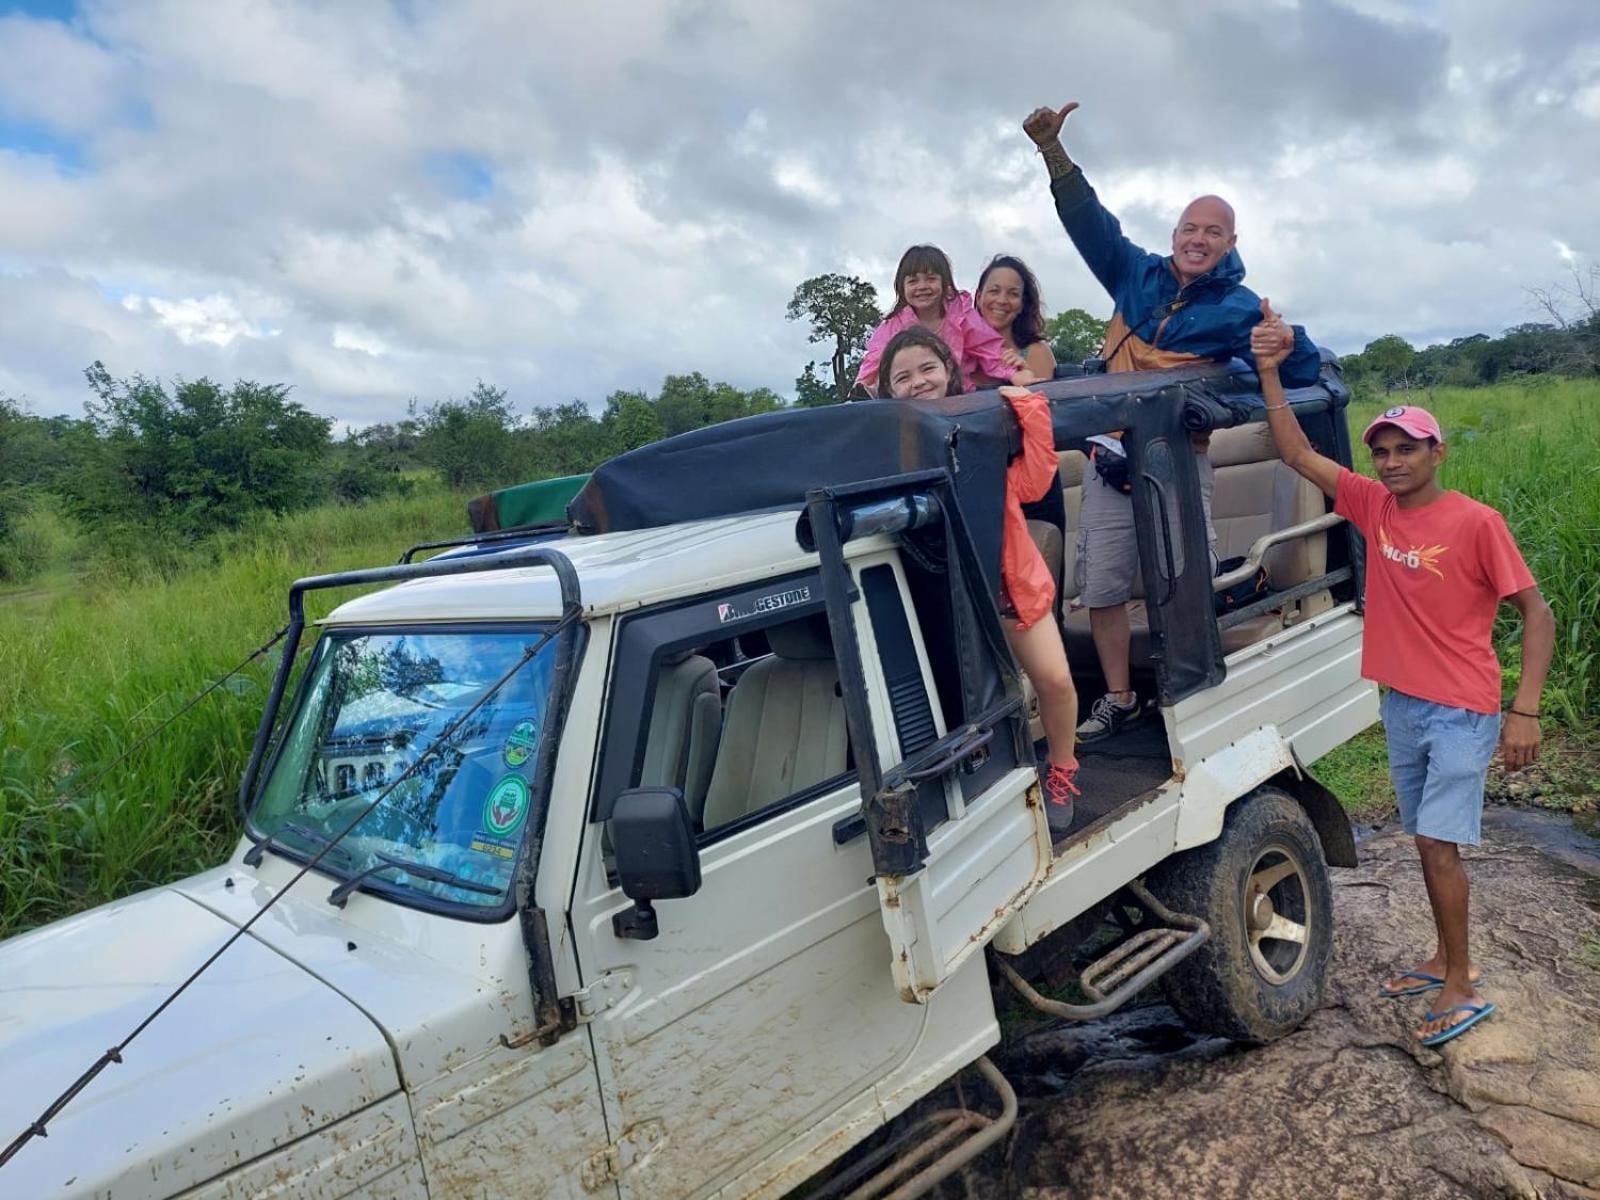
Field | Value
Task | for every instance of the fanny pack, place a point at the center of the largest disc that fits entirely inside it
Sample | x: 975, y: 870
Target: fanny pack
x: 1111, y: 465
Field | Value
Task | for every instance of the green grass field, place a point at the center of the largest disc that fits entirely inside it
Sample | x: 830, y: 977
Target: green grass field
x: 90, y: 662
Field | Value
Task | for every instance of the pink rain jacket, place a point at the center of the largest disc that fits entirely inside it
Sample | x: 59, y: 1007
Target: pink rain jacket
x: 971, y: 339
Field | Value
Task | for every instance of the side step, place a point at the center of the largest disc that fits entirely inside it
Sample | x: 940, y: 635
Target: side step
x: 1128, y: 968
x: 951, y: 1137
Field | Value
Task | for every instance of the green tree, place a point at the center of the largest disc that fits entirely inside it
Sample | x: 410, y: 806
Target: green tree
x: 1388, y: 361
x: 725, y: 403
x: 470, y: 442
x: 841, y: 309
x: 563, y: 440
x: 684, y: 403
x: 812, y: 391
x: 1074, y: 335
x: 631, y: 421
x: 201, y: 456
x: 762, y: 400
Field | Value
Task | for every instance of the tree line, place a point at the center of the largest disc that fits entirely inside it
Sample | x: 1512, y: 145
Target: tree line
x: 1567, y: 342
x: 151, y: 461
x: 183, y: 459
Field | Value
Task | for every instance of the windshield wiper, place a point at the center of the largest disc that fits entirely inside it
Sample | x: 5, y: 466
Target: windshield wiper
x: 341, y: 894
x: 252, y: 856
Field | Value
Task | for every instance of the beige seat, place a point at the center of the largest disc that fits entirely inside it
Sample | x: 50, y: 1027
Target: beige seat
x: 784, y: 729
x: 1255, y: 494
x: 685, y: 723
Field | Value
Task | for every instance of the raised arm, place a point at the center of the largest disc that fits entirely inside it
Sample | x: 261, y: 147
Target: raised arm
x: 867, y: 376
x: 1270, y: 345
x: 1098, y: 235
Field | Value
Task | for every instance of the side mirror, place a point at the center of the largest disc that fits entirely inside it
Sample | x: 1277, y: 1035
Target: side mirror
x: 652, y: 837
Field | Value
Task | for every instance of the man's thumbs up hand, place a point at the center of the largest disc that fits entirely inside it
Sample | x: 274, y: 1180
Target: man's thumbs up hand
x: 1043, y: 125
x: 1270, y: 340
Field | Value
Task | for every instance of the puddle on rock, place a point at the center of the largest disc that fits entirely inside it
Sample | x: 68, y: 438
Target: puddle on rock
x: 1572, y: 839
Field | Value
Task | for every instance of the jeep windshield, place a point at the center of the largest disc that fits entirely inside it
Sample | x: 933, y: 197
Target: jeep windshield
x: 372, y: 703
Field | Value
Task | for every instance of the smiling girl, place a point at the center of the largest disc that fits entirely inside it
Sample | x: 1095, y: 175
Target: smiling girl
x: 918, y: 365
x: 926, y: 296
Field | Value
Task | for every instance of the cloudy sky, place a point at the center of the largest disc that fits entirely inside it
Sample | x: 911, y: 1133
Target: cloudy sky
x: 380, y: 201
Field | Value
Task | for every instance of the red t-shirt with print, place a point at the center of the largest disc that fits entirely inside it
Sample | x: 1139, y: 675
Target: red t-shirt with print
x: 1435, y: 576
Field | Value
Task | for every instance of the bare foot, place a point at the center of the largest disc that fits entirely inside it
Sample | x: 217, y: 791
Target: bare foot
x: 1442, y: 1004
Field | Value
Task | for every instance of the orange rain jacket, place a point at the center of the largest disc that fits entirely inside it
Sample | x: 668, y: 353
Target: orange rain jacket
x: 1023, y: 572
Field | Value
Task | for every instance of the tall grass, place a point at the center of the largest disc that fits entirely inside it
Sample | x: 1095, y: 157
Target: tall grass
x: 87, y: 666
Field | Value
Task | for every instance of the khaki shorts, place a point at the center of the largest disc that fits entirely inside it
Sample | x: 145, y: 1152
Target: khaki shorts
x: 1108, y: 547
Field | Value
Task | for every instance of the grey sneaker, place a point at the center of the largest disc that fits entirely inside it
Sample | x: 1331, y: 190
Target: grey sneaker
x: 1109, y: 716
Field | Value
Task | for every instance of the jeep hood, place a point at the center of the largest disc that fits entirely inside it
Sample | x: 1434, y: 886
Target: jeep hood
x: 256, y: 1054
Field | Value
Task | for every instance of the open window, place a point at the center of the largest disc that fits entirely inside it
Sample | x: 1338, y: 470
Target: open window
x: 733, y: 699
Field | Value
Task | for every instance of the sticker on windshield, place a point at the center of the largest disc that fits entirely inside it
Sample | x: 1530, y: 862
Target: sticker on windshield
x: 506, y: 806
x: 763, y: 604
x: 498, y: 849
x: 521, y: 743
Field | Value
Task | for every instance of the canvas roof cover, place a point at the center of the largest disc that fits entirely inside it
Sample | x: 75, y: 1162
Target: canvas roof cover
x: 770, y: 461
x: 541, y: 502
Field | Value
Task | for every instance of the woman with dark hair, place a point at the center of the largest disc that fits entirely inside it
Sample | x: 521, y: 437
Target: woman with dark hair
x: 1008, y: 300
x: 917, y: 364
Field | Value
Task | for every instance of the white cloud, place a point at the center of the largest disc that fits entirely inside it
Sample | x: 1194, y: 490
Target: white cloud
x: 210, y: 320
x: 376, y: 203
x: 57, y: 77
x: 347, y: 337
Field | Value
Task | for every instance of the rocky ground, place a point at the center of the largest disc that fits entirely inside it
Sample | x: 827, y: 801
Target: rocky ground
x: 1349, y: 1105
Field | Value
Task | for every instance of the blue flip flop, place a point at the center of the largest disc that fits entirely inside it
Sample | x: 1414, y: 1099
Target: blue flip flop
x: 1478, y: 1011
x: 1429, y: 982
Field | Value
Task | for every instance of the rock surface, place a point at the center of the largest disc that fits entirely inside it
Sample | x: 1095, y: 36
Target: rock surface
x: 1349, y: 1105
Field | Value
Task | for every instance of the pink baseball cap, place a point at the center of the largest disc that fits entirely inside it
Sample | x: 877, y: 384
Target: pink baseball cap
x: 1418, y: 422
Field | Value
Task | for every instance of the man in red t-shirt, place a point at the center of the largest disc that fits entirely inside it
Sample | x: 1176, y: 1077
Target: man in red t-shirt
x: 1438, y: 566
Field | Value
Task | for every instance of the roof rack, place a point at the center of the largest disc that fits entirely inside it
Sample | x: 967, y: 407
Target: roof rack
x: 521, y: 533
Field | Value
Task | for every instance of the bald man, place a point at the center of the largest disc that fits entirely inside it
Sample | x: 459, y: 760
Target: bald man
x: 1170, y: 311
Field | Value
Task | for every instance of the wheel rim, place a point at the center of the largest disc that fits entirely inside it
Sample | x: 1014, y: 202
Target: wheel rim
x: 1277, y: 914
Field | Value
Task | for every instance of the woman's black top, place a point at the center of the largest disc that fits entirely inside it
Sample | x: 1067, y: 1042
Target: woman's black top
x: 1050, y: 506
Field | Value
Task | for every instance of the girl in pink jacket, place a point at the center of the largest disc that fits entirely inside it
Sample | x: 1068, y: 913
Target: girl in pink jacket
x: 926, y: 294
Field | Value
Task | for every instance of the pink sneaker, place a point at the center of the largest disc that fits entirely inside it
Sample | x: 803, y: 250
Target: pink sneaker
x: 1059, y: 787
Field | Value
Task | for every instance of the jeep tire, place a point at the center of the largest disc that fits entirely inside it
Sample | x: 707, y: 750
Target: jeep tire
x: 1263, y: 888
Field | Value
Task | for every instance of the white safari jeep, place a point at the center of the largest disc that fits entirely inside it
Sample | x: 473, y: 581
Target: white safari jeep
x: 676, y: 851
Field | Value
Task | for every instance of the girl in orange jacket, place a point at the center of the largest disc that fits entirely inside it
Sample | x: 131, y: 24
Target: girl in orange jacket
x: 917, y: 365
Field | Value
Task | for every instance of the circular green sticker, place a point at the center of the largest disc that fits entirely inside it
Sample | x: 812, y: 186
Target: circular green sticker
x: 507, y: 806
x: 521, y: 743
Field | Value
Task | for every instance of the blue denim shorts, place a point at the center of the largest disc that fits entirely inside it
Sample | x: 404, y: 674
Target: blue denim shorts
x: 1438, y: 758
